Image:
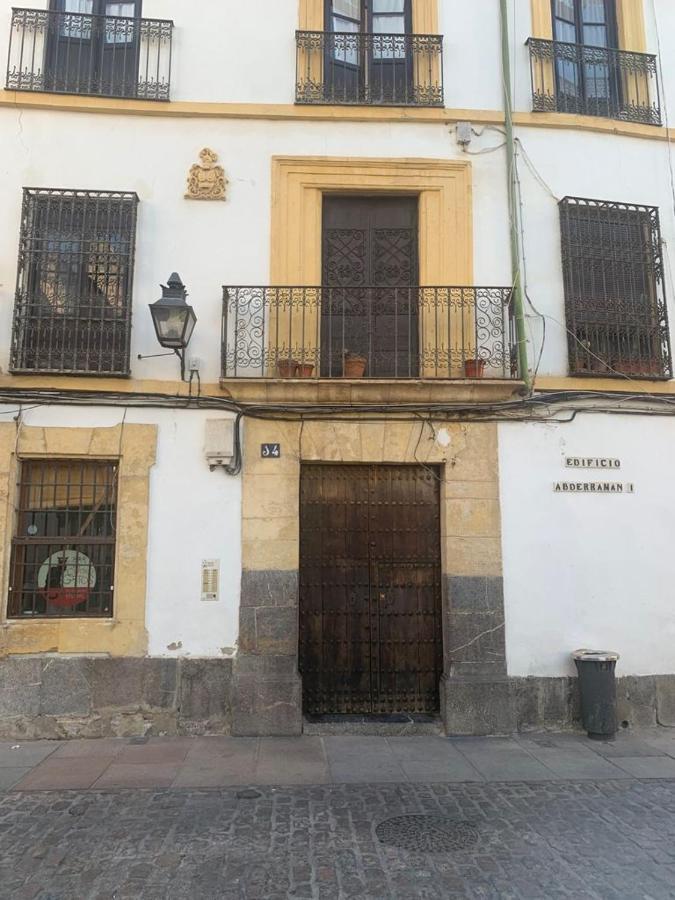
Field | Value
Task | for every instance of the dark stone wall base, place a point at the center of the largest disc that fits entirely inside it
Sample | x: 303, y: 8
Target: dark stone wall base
x: 90, y: 697
x: 266, y: 696
x: 472, y: 707
x: 507, y: 705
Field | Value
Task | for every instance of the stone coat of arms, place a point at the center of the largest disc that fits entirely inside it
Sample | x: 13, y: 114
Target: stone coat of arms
x: 206, y: 180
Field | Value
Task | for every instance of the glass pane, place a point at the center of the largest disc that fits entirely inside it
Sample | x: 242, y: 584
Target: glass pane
x: 78, y: 6
x: 595, y: 36
x: 345, y: 47
x: 565, y: 32
x: 75, y: 27
x: 344, y: 25
x: 388, y: 6
x: 388, y: 25
x: 117, y: 32
x: 564, y: 9
x: 593, y: 11
x: 120, y: 9
x: 349, y: 8
x: 597, y: 82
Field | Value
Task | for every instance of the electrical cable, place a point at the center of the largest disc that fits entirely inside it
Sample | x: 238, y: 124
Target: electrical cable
x: 665, y: 102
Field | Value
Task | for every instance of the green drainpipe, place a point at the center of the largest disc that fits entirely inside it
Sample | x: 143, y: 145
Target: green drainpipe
x: 521, y: 334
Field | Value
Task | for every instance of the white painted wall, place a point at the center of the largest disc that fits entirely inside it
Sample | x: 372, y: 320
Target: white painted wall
x: 588, y: 570
x: 195, y: 514
x: 217, y: 58
x: 209, y: 244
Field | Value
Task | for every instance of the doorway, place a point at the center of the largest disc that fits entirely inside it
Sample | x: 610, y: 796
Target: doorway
x: 368, y: 51
x: 370, y: 278
x: 588, y: 78
x: 94, y: 47
x: 370, y: 589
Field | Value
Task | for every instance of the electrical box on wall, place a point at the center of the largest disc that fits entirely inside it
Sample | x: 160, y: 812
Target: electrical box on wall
x: 219, y: 442
x: 210, y: 579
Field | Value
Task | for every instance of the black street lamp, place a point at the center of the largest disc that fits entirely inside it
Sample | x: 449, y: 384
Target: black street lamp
x: 174, y: 319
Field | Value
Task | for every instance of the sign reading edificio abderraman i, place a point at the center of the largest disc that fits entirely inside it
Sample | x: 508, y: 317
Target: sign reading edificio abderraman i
x: 601, y: 463
x: 593, y: 487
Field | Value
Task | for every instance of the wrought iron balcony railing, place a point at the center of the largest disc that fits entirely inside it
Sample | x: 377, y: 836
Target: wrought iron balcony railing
x: 594, y: 81
x: 74, y: 53
x: 369, y: 69
x: 371, y: 332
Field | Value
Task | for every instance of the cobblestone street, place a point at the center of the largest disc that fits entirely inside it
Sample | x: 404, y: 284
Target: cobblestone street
x: 613, y: 839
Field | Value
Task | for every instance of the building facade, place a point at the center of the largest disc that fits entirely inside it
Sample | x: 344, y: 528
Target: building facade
x: 397, y: 466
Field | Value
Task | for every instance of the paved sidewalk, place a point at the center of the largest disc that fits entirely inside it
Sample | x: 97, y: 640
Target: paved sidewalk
x: 221, y: 762
x: 527, y: 818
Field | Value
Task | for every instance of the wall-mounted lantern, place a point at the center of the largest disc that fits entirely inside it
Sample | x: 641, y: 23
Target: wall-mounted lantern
x: 174, y: 319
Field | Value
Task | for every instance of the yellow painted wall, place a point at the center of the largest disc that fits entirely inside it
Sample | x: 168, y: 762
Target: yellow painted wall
x: 470, y: 514
x: 445, y: 230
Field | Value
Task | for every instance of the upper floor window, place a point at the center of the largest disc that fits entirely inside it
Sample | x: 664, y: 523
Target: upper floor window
x: 368, y: 54
x: 589, y: 22
x: 63, y: 550
x: 614, y: 296
x: 583, y: 71
x: 90, y: 47
x: 73, y: 300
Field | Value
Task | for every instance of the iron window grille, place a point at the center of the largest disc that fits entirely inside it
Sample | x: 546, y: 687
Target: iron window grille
x: 358, y: 69
x: 96, y: 55
x: 63, y: 551
x: 72, y: 313
x: 594, y: 81
x: 615, y: 300
x: 395, y: 332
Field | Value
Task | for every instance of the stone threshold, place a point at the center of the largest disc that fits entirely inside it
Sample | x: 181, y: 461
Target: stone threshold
x: 377, y: 726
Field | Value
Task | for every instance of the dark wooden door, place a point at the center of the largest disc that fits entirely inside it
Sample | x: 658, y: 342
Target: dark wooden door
x: 368, y: 58
x: 370, y: 277
x: 93, y: 47
x: 370, y: 589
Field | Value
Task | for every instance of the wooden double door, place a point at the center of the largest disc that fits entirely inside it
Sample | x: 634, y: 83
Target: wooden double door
x: 370, y: 589
x: 370, y: 278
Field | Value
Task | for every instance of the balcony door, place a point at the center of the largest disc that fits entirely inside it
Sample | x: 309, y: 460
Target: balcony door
x: 370, y: 296
x: 368, y: 56
x: 587, y: 76
x: 93, y: 47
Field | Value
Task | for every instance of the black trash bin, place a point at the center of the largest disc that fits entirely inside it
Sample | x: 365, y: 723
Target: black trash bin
x: 597, y: 685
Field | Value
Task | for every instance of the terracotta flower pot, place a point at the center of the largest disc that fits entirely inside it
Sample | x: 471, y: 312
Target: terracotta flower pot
x: 474, y: 368
x: 287, y: 368
x: 305, y: 370
x: 354, y: 366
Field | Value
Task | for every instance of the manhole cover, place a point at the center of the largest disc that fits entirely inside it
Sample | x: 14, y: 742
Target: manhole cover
x: 427, y: 834
x: 248, y: 794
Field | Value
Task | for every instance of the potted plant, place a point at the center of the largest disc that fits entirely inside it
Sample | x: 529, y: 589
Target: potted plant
x: 305, y: 370
x: 354, y: 364
x: 287, y: 368
x: 474, y: 368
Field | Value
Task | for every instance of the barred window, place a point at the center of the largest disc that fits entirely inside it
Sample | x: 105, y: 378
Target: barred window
x: 614, y: 295
x: 72, y: 312
x: 63, y: 550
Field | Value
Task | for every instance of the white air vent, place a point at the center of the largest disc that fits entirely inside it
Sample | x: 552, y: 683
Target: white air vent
x: 210, y: 579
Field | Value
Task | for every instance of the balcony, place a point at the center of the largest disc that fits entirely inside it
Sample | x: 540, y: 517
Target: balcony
x: 102, y: 56
x: 352, y: 69
x: 594, y: 81
x: 368, y: 332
